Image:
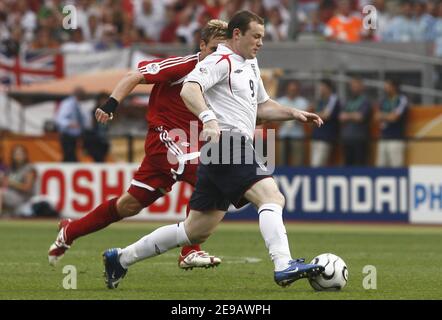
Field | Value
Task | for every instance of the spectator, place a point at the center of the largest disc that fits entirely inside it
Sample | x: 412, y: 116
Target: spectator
x: 77, y: 43
x: 276, y: 28
x: 93, y: 30
x: 110, y: 38
x: 27, y: 19
x: 3, y: 171
x: 50, y: 17
x: 258, y: 7
x: 4, y: 30
x: 324, y: 137
x: 44, y: 40
x: 83, y: 12
x: 187, y: 26
x: 437, y: 31
x: 115, y: 16
x: 168, y: 34
x: 96, y: 140
x: 291, y: 133
x: 198, y: 9
x: 214, y: 7
x: 345, y: 26
x: 392, y: 117
x: 284, y: 8
x: 355, y: 119
x: 19, y: 184
x: 131, y: 36
x: 11, y: 47
x: 308, y: 6
x: 230, y: 8
x: 383, y: 19
x: 320, y: 17
x: 425, y: 19
x: 149, y: 17
x: 71, y: 123
x: 49, y: 8
x: 403, y: 28
x: 204, y: 18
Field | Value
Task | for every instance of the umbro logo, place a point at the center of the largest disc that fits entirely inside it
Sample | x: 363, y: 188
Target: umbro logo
x: 238, y: 71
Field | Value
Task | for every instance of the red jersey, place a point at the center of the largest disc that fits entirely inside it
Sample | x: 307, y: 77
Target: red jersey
x: 166, y: 108
x: 167, y: 158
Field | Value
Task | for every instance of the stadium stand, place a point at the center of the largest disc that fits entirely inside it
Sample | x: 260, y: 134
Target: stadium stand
x: 124, y: 28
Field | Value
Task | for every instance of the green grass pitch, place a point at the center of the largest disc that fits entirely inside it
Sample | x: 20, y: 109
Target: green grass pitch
x: 408, y: 261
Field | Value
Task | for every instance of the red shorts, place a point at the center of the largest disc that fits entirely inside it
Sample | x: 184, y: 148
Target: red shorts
x: 165, y: 162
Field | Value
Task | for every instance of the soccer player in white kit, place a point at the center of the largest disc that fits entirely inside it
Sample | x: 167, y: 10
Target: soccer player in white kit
x: 226, y: 92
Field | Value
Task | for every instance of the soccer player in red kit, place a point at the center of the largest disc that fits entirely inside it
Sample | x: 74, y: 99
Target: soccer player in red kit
x: 156, y: 174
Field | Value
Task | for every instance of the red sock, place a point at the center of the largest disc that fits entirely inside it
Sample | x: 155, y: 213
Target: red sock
x: 185, y: 250
x: 99, y: 218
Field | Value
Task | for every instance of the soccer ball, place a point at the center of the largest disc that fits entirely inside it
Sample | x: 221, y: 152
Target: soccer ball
x: 335, y: 275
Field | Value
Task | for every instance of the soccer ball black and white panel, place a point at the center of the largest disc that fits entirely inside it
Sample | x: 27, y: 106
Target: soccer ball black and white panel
x: 335, y: 275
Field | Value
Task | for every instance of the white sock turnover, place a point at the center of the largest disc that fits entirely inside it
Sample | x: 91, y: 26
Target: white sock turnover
x: 155, y: 243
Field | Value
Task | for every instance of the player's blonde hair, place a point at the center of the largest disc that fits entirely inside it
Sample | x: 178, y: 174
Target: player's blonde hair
x: 215, y: 28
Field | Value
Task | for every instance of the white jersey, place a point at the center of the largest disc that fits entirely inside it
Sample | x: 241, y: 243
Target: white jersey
x: 232, y: 88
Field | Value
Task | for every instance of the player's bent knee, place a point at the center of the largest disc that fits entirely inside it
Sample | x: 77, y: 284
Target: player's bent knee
x: 279, y: 199
x: 275, y: 197
x: 128, y: 206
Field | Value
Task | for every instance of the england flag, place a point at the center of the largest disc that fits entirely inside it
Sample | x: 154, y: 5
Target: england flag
x: 29, y: 67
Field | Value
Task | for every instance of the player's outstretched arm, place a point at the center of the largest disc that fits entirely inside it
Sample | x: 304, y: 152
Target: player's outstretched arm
x: 273, y: 111
x: 122, y: 90
x: 194, y: 100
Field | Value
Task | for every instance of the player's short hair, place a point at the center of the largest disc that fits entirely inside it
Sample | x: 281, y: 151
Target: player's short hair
x: 241, y: 20
x: 394, y: 82
x: 357, y: 78
x: 294, y: 81
x: 329, y: 84
x: 215, y: 28
x: 407, y: 2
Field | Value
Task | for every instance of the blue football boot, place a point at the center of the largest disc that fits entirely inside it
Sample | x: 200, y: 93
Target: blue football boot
x: 296, y: 270
x: 113, y: 271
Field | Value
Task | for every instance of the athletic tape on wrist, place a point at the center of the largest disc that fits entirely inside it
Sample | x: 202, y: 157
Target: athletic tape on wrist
x: 110, y: 106
x: 207, y: 116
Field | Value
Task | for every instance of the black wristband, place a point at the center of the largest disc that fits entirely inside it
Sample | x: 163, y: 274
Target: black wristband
x: 110, y: 106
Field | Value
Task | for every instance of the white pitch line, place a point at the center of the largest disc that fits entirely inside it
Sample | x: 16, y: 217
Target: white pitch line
x: 20, y: 263
x: 228, y: 260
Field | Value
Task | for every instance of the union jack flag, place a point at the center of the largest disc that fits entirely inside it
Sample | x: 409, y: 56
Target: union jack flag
x: 29, y: 67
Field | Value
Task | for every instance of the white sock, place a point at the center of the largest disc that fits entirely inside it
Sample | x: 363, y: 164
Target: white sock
x: 275, y: 235
x: 155, y: 243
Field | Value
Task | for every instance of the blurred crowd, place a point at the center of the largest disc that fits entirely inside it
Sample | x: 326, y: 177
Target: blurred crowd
x: 106, y: 24
x: 348, y: 125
